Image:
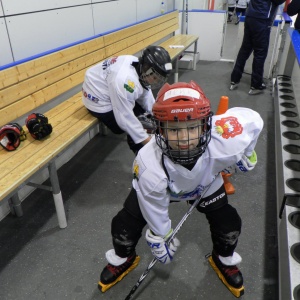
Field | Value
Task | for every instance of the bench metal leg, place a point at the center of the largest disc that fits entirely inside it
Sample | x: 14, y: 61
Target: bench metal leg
x: 176, y: 69
x: 16, y: 207
x: 58, y: 201
x: 195, y: 56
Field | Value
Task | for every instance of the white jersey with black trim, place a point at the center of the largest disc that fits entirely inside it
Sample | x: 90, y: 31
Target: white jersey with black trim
x: 231, y: 3
x: 242, y: 3
x: 113, y: 84
x: 232, y: 134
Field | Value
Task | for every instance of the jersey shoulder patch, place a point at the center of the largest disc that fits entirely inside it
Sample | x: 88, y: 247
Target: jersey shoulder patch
x: 138, y: 169
x: 228, y: 127
x: 129, y: 85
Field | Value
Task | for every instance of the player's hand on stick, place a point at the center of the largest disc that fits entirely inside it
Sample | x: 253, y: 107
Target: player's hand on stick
x: 247, y: 163
x: 163, y: 251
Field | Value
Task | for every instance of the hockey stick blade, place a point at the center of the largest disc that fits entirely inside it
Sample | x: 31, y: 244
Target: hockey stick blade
x: 150, y: 266
x: 175, y: 231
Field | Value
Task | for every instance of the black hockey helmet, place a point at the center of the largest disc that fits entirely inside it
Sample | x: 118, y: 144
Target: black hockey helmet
x: 155, y: 66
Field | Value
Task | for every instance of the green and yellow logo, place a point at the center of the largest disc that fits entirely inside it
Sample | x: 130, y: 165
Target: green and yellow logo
x: 129, y: 86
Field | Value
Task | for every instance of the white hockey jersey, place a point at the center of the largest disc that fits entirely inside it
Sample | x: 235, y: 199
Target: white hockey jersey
x: 113, y: 84
x: 242, y: 3
x: 231, y: 3
x: 233, y: 134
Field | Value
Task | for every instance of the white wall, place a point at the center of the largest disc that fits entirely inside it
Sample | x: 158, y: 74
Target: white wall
x: 192, y: 4
x: 18, y: 7
x: 200, y: 4
x: 28, y: 28
x: 48, y: 29
x: 209, y: 26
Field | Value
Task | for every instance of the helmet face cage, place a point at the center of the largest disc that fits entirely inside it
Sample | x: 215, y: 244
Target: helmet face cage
x: 184, y: 149
x: 153, y: 79
x: 155, y: 66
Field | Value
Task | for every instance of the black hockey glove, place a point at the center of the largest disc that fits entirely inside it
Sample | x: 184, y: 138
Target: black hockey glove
x: 10, y: 137
x: 148, y: 122
x: 38, y: 126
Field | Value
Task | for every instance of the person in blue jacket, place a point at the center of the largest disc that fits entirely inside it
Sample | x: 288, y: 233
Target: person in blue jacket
x: 293, y: 9
x: 260, y: 16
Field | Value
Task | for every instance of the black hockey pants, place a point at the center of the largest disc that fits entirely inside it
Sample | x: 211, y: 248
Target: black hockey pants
x: 224, y: 221
x: 256, y: 39
x: 109, y: 120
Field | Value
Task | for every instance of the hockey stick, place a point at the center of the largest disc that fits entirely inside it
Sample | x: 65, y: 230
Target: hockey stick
x: 175, y: 231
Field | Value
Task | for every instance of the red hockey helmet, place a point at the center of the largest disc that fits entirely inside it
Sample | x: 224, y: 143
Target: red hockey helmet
x: 182, y: 107
x: 10, y: 136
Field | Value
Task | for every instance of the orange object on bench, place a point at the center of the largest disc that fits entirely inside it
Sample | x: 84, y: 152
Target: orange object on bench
x: 222, y: 108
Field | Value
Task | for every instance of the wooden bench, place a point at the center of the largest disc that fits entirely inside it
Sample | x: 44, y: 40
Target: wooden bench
x: 29, y: 86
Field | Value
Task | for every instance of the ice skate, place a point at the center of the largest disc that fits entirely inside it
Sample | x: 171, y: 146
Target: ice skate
x: 230, y: 275
x: 114, y: 273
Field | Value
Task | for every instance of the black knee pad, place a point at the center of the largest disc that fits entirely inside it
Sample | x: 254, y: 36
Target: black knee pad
x: 225, y: 219
x: 225, y: 227
x: 126, y: 231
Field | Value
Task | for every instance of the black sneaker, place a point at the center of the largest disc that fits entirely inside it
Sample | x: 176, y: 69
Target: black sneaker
x: 259, y: 90
x: 231, y: 274
x: 112, y: 274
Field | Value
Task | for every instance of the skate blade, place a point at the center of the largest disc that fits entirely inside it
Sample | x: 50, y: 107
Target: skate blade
x: 104, y: 287
x: 237, y: 292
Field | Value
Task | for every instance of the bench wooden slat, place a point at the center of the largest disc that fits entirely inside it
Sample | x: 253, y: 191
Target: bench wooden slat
x: 141, y: 44
x: 138, y: 42
x: 185, y: 40
x: 32, y: 102
x: 34, y: 67
x: 58, y: 72
x: 29, y: 69
x: 135, y: 29
x: 25, y: 88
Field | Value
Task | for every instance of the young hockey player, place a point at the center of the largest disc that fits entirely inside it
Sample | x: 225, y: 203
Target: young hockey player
x: 241, y: 6
x: 231, y: 9
x: 118, y: 90
x: 190, y: 149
